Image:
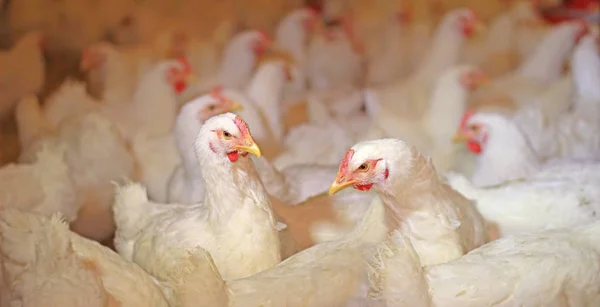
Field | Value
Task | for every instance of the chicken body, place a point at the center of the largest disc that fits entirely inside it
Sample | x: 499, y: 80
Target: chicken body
x: 75, y: 271
x: 554, y: 201
x: 43, y: 186
x: 329, y: 274
x: 441, y: 223
x: 505, y: 272
x: 431, y: 133
x: 23, y: 70
x: 235, y: 197
x: 96, y: 155
x: 40, y: 266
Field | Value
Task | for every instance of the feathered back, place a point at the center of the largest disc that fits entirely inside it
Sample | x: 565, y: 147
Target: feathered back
x: 372, y: 228
x: 200, y: 284
x: 396, y: 275
x: 41, y: 266
x: 31, y: 122
x: 128, y: 208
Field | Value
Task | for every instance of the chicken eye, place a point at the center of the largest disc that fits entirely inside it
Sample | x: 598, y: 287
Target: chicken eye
x: 474, y: 128
x: 212, y: 107
x: 227, y: 135
x: 363, y: 167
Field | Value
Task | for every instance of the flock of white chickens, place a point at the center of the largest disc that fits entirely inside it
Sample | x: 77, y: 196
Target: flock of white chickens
x: 334, y: 163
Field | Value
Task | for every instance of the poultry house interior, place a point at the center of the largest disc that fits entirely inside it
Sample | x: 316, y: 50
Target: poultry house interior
x: 368, y: 153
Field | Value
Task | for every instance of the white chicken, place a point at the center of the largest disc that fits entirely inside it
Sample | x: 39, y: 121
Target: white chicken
x: 70, y: 99
x: 326, y: 275
x: 388, y: 62
x: 411, y: 96
x: 234, y: 196
x: 265, y: 90
x: 442, y: 224
x: 47, y: 272
x: 488, y: 135
x: 552, y: 268
x: 541, y: 68
x: 185, y: 185
x: 333, y: 126
x: 237, y: 62
x: 23, y: 70
x: 571, y: 133
x: 555, y: 202
x: 43, y: 186
x: 512, y: 35
x: 292, y: 36
x: 335, y: 58
x: 95, y: 153
x: 432, y: 133
x: 32, y: 244
x: 148, y: 124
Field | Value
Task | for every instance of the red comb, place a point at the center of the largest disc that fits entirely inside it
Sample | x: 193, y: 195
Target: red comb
x: 86, y: 52
x: 187, y: 68
x: 216, y: 91
x: 264, y: 35
x: 473, y: 13
x: 468, y: 114
x: 348, y: 25
x: 241, y: 124
x: 313, y: 11
x: 346, y: 160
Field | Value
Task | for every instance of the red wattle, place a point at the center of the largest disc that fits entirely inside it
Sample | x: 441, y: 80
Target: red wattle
x: 233, y: 156
x: 179, y: 86
x: 363, y: 187
x: 474, y: 147
x: 468, y: 31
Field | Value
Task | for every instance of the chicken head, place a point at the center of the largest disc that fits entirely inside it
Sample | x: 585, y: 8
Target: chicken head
x: 228, y: 135
x: 94, y: 56
x: 360, y: 171
x: 472, y: 132
x: 220, y: 104
x: 473, y: 78
x: 180, y: 76
x: 406, y: 13
x: 309, y: 18
x: 470, y: 23
x: 584, y: 29
x: 260, y: 43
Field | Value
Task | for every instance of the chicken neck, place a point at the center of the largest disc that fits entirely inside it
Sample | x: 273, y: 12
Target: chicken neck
x: 444, y: 52
x: 266, y: 90
x: 447, y: 104
x: 586, y: 72
x: 185, y: 134
x: 233, y: 189
x: 237, y: 64
x: 507, y: 155
x: 546, y: 63
x: 414, y: 192
x: 154, y: 106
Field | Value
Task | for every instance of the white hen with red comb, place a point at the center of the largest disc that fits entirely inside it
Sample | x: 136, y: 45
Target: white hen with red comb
x: 432, y: 133
x: 235, y: 223
x: 185, y: 184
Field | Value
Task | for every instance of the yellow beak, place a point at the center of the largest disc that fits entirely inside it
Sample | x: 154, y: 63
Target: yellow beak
x: 338, y: 186
x: 249, y: 148
x: 479, y: 28
x: 235, y: 107
x: 459, y: 137
x: 484, y: 79
x: 192, y: 79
